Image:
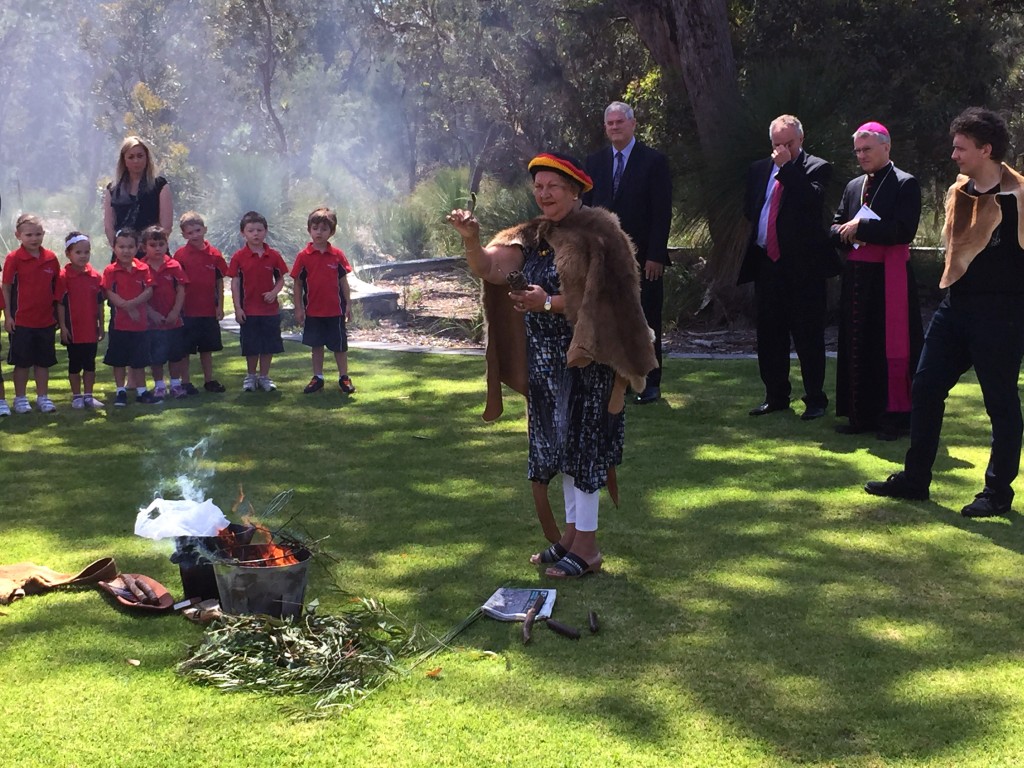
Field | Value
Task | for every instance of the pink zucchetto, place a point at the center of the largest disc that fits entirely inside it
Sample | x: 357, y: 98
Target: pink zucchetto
x: 874, y: 127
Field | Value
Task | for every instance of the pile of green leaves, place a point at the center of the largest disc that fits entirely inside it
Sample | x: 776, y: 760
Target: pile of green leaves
x: 336, y: 660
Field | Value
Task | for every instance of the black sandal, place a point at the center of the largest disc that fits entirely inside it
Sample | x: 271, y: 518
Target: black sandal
x: 551, y: 555
x: 573, y: 566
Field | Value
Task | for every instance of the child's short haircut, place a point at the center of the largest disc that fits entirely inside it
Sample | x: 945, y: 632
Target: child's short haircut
x: 128, y: 234
x: 27, y: 218
x: 190, y: 217
x: 323, y: 216
x: 153, y: 234
x: 253, y: 218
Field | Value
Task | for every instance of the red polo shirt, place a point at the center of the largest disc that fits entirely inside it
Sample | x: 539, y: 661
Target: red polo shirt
x: 81, y: 293
x: 258, y: 273
x: 33, y: 281
x: 204, y: 268
x: 128, y: 284
x: 166, y: 279
x: 322, y: 273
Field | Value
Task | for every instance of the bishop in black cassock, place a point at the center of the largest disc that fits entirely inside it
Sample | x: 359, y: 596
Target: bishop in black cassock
x: 880, y: 333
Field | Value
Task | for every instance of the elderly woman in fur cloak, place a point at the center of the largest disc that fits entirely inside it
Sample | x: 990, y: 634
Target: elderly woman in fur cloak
x: 570, y: 334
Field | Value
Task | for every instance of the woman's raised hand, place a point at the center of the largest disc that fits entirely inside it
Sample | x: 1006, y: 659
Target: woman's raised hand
x: 464, y: 223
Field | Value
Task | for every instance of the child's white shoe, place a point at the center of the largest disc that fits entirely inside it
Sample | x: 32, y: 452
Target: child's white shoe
x: 5, y: 409
x: 45, y: 405
x: 22, y: 405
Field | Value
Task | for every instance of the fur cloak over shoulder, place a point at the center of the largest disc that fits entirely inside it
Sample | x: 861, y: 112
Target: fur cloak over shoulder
x: 971, y: 220
x: 600, y: 283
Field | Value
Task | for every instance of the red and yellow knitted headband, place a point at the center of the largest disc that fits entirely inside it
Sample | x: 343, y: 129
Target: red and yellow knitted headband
x: 563, y: 165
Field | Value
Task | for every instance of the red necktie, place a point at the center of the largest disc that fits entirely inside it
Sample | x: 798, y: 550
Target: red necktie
x: 771, y: 240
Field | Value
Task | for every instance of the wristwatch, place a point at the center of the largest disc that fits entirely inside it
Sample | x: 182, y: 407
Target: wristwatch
x: 547, y: 303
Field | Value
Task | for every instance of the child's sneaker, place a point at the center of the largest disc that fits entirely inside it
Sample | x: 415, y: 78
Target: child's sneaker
x: 78, y: 402
x: 160, y: 391
x: 120, y: 399
x: 45, y: 405
x: 178, y: 392
x: 267, y: 384
x: 315, y: 385
x: 149, y: 398
x: 5, y: 409
x: 92, y: 402
x: 190, y: 388
x: 22, y: 405
x: 346, y: 385
x: 214, y: 386
x: 249, y: 382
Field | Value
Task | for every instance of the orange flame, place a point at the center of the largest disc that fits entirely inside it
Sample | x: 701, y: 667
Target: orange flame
x: 259, y: 554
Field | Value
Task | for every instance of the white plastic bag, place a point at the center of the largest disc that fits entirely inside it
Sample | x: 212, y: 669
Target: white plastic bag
x: 166, y: 518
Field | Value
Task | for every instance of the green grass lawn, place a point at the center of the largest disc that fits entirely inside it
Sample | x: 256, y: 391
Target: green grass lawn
x: 757, y: 609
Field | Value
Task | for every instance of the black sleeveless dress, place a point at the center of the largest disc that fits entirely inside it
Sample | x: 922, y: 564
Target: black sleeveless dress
x: 136, y: 211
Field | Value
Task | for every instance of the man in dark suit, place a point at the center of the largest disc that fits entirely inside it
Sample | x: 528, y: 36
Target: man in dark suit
x: 633, y: 181
x: 788, y: 258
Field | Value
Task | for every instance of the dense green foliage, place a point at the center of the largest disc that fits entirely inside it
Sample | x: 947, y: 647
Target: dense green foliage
x: 282, y: 104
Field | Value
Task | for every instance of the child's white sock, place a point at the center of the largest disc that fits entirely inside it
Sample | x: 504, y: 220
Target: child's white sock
x: 140, y: 390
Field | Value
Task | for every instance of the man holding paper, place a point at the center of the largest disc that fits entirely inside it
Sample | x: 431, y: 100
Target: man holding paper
x: 880, y: 334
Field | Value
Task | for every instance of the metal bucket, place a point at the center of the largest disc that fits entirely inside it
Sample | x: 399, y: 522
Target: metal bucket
x: 275, y: 590
x: 191, y: 555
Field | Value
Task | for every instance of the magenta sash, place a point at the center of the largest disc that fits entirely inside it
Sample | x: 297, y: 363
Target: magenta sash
x: 894, y: 258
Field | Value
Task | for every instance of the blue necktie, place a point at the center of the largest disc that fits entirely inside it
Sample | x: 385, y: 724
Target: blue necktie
x: 617, y: 176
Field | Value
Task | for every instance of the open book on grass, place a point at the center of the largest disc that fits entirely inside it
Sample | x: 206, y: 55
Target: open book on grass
x: 511, y: 604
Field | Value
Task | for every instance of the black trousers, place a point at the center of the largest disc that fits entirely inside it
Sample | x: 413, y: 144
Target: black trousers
x: 652, y: 298
x: 986, y: 332
x: 790, y: 306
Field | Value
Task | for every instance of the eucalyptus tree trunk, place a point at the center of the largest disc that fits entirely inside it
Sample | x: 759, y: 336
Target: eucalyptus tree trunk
x: 692, y: 37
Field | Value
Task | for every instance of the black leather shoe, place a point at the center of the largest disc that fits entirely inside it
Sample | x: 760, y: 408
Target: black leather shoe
x: 987, y: 504
x: 897, y: 487
x: 851, y: 429
x: 812, y: 412
x: 768, y: 407
x: 649, y: 395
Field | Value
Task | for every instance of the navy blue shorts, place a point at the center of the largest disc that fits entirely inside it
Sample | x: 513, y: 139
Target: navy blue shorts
x: 82, y: 357
x: 261, y: 335
x: 32, y: 346
x: 202, y: 334
x: 167, y: 345
x: 325, y: 332
x: 127, y: 349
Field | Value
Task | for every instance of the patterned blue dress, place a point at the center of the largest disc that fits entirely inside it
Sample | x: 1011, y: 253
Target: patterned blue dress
x: 570, y: 429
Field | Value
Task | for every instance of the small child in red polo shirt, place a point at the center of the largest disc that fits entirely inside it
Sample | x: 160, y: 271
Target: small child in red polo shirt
x: 80, y: 315
x: 128, y: 285
x: 204, y: 299
x: 5, y: 409
x: 29, y: 281
x: 322, y: 299
x: 257, y: 276
x: 167, y: 344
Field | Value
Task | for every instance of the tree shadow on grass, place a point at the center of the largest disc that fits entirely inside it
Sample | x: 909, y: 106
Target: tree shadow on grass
x: 813, y: 629
x: 744, y: 581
